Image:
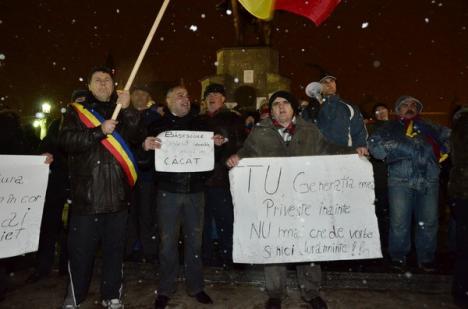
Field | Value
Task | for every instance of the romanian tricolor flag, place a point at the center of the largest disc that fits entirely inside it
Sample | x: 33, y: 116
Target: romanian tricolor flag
x: 315, y: 10
x: 114, y: 143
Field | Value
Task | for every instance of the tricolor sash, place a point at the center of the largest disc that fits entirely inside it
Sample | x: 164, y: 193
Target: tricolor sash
x: 114, y: 143
x: 439, y: 149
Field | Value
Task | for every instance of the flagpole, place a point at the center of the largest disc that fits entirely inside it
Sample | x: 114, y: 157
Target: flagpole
x: 143, y: 51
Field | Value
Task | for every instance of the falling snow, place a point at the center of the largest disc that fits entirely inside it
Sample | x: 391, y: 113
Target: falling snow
x: 193, y: 28
x: 236, y: 80
x: 426, y: 20
x: 161, y: 38
x: 80, y: 79
x: 376, y: 63
x: 364, y: 25
x: 203, y: 15
x: 2, y: 56
x: 228, y: 12
x: 117, y: 11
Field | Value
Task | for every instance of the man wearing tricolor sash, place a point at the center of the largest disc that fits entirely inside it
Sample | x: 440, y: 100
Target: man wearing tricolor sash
x: 102, y: 173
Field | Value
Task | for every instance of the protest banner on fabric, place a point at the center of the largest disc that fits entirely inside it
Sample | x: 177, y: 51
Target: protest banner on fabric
x: 301, y: 209
x: 185, y: 151
x: 23, y: 184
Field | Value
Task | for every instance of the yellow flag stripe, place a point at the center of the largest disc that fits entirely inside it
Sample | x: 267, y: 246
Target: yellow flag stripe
x: 262, y: 9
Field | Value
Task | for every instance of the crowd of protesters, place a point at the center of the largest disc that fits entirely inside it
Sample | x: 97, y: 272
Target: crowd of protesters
x: 142, y: 221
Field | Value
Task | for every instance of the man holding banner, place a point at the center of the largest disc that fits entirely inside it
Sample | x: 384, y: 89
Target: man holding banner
x: 285, y: 135
x: 102, y: 173
x: 180, y: 200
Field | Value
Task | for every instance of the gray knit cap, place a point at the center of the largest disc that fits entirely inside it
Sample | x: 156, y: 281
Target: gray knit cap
x: 407, y: 98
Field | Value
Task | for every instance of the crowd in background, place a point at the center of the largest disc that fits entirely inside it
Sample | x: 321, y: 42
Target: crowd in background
x: 144, y: 221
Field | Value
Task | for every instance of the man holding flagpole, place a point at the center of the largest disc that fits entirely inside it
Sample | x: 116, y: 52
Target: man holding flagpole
x: 102, y: 173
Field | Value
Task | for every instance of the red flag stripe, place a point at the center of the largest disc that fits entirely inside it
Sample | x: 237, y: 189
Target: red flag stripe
x: 315, y: 10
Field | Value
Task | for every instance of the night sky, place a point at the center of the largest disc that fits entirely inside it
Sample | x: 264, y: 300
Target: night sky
x: 378, y: 49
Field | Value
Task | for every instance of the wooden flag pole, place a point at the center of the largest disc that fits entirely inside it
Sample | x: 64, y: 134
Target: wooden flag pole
x: 143, y: 51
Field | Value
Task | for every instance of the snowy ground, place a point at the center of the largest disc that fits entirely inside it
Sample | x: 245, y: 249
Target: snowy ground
x: 245, y: 289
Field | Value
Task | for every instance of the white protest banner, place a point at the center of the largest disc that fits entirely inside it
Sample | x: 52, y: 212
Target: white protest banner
x: 23, y: 184
x: 301, y: 209
x: 185, y: 151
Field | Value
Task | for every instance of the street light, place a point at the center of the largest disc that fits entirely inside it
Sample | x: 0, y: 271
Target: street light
x: 46, y: 107
x: 42, y: 117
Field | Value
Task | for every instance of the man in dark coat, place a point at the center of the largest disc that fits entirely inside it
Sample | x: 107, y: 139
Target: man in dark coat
x: 458, y: 190
x: 285, y: 135
x: 220, y: 120
x: 341, y: 123
x: 142, y: 239
x: 100, y: 185
x: 181, y: 202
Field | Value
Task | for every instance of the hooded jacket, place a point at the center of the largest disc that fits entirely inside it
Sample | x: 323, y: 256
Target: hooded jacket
x: 341, y: 123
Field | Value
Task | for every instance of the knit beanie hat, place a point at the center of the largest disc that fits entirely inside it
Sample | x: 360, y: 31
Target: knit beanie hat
x: 285, y: 95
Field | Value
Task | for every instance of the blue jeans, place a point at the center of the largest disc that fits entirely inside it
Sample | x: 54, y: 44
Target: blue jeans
x: 405, y: 202
x: 174, y: 210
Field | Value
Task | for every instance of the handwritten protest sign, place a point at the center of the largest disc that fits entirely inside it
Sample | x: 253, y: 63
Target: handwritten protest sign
x: 300, y: 209
x: 23, y: 183
x: 185, y: 151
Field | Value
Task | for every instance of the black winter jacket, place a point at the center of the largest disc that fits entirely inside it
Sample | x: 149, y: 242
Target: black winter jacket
x: 98, y: 183
x: 231, y: 126
x: 178, y: 182
x: 458, y: 183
